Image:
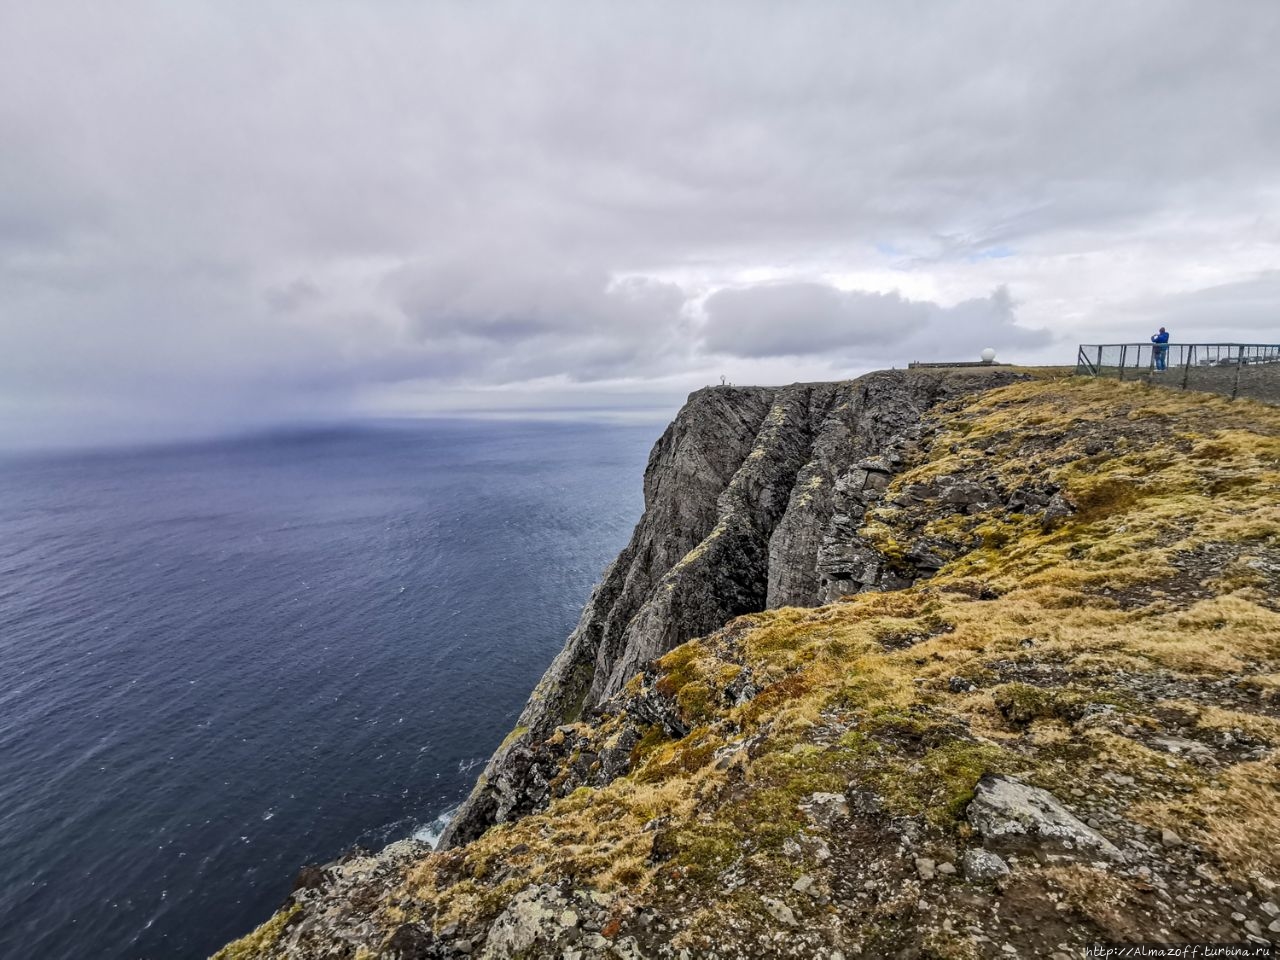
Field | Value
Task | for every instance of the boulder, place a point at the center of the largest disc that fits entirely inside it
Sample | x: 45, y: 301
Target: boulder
x: 964, y: 493
x: 1059, y: 508
x: 531, y: 916
x: 1005, y: 809
x: 780, y: 911
x: 824, y: 808
x: 983, y: 865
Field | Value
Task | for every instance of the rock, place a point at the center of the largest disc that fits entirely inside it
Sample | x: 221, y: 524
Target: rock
x: 615, y: 756
x: 627, y: 949
x: 1094, y: 710
x: 875, y: 465
x: 964, y: 493
x: 947, y: 869
x: 1005, y: 809
x: 531, y: 912
x: 983, y: 865
x: 925, y: 867
x: 779, y: 911
x: 803, y: 884
x: 1058, y: 509
x: 1253, y: 927
x: 931, y: 554
x: 866, y: 802
x: 1169, y: 838
x: 960, y: 685
x: 311, y: 877
x: 1269, y: 908
x: 824, y: 808
x: 409, y: 941
x: 1178, y: 745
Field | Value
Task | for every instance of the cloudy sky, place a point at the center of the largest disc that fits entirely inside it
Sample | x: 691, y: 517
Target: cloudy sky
x: 223, y: 214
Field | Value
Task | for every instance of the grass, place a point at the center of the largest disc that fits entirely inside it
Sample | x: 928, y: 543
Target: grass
x: 260, y: 940
x: 1233, y: 815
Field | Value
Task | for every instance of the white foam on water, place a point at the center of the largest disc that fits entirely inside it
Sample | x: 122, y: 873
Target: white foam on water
x: 431, y: 832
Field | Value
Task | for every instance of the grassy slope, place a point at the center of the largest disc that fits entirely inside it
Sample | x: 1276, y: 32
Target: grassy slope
x: 1152, y: 608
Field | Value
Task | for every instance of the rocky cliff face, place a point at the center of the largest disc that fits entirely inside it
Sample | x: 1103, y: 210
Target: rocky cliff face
x: 1044, y: 711
x: 753, y: 497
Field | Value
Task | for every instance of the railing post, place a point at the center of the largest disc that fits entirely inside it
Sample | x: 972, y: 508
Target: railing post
x: 1124, y: 353
x: 1187, y: 354
x: 1083, y: 364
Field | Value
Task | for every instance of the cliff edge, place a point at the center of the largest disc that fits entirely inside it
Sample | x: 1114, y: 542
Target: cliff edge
x: 910, y: 666
x: 746, y: 509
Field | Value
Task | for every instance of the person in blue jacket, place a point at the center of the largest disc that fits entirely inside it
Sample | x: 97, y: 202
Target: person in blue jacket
x: 1161, y: 341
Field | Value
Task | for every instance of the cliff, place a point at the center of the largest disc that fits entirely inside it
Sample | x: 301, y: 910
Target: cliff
x: 749, y: 505
x: 945, y: 666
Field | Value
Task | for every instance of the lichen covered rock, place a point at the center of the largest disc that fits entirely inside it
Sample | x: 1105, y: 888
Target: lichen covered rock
x: 1005, y: 811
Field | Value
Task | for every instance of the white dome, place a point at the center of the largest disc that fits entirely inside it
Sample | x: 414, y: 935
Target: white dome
x: 988, y: 355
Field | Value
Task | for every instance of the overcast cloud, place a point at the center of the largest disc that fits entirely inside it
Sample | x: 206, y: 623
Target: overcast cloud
x: 220, y: 214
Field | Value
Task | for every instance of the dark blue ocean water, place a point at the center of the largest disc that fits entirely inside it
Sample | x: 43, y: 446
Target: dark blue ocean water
x: 219, y: 662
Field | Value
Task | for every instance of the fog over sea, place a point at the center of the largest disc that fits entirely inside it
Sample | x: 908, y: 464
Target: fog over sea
x: 221, y: 661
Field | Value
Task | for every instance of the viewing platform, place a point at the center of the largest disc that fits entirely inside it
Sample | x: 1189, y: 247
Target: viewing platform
x: 1230, y: 369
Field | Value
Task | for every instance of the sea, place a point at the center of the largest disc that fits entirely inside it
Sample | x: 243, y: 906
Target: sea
x: 220, y: 661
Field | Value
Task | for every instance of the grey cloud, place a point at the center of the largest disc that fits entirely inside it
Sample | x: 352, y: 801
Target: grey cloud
x: 804, y: 318
x: 799, y: 319
x: 293, y: 296
x: 1247, y: 305
x: 526, y: 317
x: 966, y: 328
x: 1243, y: 311
x: 519, y: 299
x: 207, y: 208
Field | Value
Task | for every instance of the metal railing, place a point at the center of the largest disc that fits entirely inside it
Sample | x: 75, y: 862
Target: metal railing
x: 1195, y: 366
